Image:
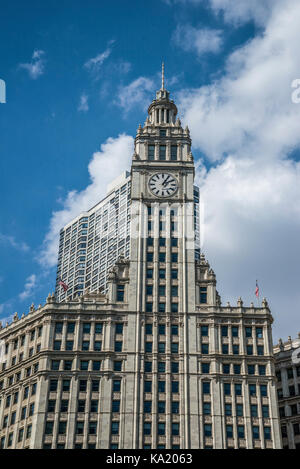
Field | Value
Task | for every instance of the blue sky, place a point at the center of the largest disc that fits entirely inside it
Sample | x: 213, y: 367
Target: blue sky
x: 79, y: 76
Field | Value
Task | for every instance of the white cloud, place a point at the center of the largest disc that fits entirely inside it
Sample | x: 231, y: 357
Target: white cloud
x: 108, y: 163
x: 36, y: 67
x: 249, y: 111
x: 248, y: 127
x: 244, y: 10
x: 29, y: 287
x: 95, y: 63
x: 236, y: 12
x: 83, y: 103
x: 200, y: 40
x: 137, y: 93
x: 11, y: 241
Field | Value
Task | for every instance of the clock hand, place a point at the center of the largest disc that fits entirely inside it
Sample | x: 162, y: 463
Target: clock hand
x: 166, y: 181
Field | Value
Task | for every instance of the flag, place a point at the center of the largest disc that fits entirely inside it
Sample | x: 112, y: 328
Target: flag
x: 257, y: 290
x: 63, y: 284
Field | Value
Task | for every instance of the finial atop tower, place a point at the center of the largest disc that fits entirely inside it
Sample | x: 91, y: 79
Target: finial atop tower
x: 162, y: 76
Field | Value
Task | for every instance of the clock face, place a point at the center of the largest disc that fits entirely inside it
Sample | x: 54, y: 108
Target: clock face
x: 163, y: 184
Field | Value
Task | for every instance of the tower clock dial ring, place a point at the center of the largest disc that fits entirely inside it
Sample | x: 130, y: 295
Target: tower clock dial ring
x: 163, y: 184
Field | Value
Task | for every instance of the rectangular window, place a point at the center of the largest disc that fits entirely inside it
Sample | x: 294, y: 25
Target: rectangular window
x: 161, y: 347
x: 267, y: 433
x: 148, y: 347
x: 205, y: 367
x: 263, y: 390
x: 53, y: 385
x: 229, y: 431
x: 265, y: 411
x: 248, y: 331
x: 71, y: 328
x: 173, y: 152
x: 260, y: 350
x: 175, y: 429
x: 255, y: 432
x: 49, y: 428
x: 162, y: 152
x: 224, y: 331
x: 162, y: 290
x: 66, y: 385
x: 206, y: 387
x: 239, y: 410
x: 80, y: 428
x: 162, y: 257
x: 161, y: 367
x: 98, y: 328
x: 174, y: 274
x: 147, y: 428
x: 115, y: 406
x: 161, y: 428
x: 207, y: 430
x: 148, y: 367
x: 227, y: 389
x: 228, y: 410
x: 175, y: 407
x: 96, y: 365
x: 161, y: 329
x: 86, y: 328
x: 204, y: 349
x: 161, y: 406
x: 206, y: 408
x: 120, y: 292
x: 97, y: 345
x: 58, y: 328
x: 236, y: 349
x: 118, y: 346
x: 119, y: 328
x: 241, y: 431
x: 225, y: 349
x: 94, y: 406
x: 84, y: 365
x: 175, y: 367
x: 161, y: 386
x: 149, y: 290
x: 235, y: 331
x: 149, y: 307
x: 116, y: 385
x: 69, y: 344
x: 203, y: 295
x: 82, y: 385
x: 175, y: 387
x: 162, y: 274
x: 151, y: 152
x: 148, y: 386
x: 174, y: 307
x: 148, y: 329
x: 55, y: 365
x: 147, y: 407
x: 149, y: 273
x: 174, y: 257
x: 118, y: 365
x: 262, y: 370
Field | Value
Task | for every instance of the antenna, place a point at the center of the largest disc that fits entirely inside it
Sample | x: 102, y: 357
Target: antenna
x: 163, y: 76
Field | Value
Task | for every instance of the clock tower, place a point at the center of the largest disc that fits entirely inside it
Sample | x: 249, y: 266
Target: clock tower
x: 162, y: 258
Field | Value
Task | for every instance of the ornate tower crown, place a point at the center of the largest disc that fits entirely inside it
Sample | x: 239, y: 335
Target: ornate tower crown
x: 162, y: 110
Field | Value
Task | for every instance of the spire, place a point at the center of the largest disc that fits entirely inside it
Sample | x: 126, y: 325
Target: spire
x: 162, y: 76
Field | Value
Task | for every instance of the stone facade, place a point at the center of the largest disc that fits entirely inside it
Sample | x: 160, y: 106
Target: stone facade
x: 287, y: 362
x: 157, y: 361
